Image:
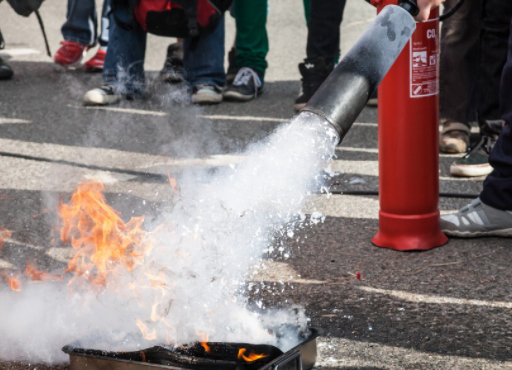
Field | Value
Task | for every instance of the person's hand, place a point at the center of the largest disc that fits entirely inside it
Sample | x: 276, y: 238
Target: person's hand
x: 425, y: 6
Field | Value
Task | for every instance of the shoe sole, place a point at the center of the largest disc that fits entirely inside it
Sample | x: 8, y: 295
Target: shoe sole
x: 372, y: 102
x: 504, y: 233
x: 234, y: 96
x: 93, y: 98
x: 207, y: 100
x: 470, y: 171
x: 299, y: 107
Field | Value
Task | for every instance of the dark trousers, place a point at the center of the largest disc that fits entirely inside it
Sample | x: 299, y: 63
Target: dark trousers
x: 459, y: 61
x: 324, y: 29
x: 494, y: 35
x: 497, y: 190
x: 474, y: 43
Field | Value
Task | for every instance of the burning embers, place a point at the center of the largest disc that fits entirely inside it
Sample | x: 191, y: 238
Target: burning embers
x: 225, y: 356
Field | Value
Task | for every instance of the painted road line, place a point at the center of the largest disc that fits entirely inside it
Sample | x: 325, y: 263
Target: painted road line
x: 8, y: 121
x: 18, y: 52
x: 434, y: 299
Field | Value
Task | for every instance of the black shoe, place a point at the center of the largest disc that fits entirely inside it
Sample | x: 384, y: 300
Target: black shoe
x: 476, y: 162
x: 232, y: 68
x: 314, y: 72
x: 246, y: 86
x: 173, y: 65
x: 6, y: 71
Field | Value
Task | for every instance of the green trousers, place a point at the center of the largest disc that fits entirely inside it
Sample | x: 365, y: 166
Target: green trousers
x: 251, y: 34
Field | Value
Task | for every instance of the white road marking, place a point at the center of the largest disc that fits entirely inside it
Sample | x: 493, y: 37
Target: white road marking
x: 5, y: 265
x: 18, y: 52
x: 7, y: 120
x: 434, y: 299
x: 355, y: 354
x: 121, y: 110
x: 25, y: 245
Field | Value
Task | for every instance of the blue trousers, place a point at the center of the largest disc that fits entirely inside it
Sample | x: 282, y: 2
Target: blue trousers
x: 497, y: 190
x: 124, y: 63
x: 82, y: 23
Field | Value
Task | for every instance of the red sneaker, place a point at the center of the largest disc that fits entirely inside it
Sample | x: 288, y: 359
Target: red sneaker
x: 95, y: 64
x: 70, y: 53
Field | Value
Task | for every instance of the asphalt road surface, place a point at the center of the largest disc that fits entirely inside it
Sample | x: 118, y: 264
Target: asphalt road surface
x: 450, y: 307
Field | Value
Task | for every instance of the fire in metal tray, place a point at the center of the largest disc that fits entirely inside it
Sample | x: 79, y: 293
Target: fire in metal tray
x: 200, y: 356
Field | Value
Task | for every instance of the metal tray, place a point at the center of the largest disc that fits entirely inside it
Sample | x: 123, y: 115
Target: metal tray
x: 301, y: 357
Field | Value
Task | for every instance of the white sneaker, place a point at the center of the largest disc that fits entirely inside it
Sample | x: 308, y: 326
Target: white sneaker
x: 206, y: 94
x: 104, y: 95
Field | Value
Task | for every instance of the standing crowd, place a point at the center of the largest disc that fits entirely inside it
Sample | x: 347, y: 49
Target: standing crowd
x: 475, y: 74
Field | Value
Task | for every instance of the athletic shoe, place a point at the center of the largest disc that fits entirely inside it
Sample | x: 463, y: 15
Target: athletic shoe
x: 247, y: 85
x: 232, y: 68
x: 6, y: 71
x: 314, y: 72
x: 454, y: 137
x: 104, y: 95
x: 173, y: 71
x: 70, y: 53
x: 206, y: 94
x: 373, y: 101
x: 96, y: 63
x: 477, y: 219
x: 455, y: 141
x: 476, y: 162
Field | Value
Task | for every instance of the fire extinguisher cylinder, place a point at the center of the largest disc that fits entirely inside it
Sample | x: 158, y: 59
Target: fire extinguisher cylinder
x: 344, y: 94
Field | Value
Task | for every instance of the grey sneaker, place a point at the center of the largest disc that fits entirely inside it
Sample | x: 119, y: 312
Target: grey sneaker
x: 206, y: 94
x: 477, y: 219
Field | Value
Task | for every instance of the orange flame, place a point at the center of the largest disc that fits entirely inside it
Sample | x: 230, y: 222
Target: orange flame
x: 146, y: 333
x: 204, y: 341
x: 35, y: 275
x: 103, y: 241
x: 4, y: 235
x: 12, y: 281
x: 252, y: 356
x: 174, y: 184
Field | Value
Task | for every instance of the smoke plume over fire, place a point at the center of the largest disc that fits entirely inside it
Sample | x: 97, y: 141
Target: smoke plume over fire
x: 129, y: 286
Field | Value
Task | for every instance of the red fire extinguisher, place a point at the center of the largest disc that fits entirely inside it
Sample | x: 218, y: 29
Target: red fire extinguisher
x: 408, y: 120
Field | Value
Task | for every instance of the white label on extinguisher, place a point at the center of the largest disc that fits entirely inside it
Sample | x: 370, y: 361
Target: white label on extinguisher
x: 424, y: 46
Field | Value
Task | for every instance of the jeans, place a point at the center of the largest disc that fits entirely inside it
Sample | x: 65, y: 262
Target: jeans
x: 497, y: 191
x: 82, y: 23
x: 324, y: 29
x: 204, y: 65
x: 124, y: 63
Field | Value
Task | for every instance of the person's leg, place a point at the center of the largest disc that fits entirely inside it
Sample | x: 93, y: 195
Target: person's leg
x: 307, y: 10
x: 123, y: 73
x: 458, y: 67
x: 251, y: 48
x: 81, y: 22
x: 323, y: 46
x: 497, y: 191
x: 494, y: 37
x: 324, y: 29
x: 204, y: 66
x: 97, y: 62
x: 251, y: 34
x: 105, y: 23
x: 490, y: 214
